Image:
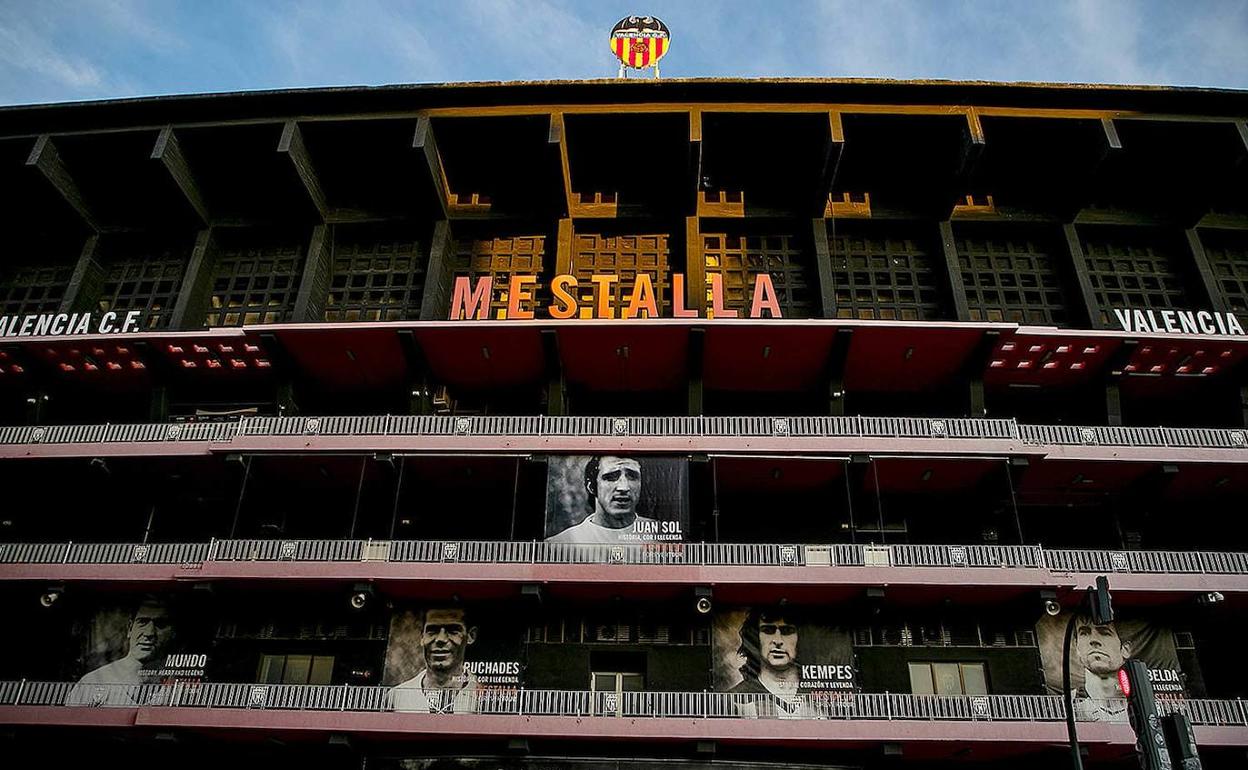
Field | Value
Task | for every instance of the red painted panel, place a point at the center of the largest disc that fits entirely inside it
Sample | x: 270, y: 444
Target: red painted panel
x: 918, y: 474
x: 484, y: 355
x: 775, y: 356
x: 1049, y: 358
x: 347, y: 358
x: 1065, y: 479
x: 908, y: 358
x: 762, y: 475
x: 615, y: 356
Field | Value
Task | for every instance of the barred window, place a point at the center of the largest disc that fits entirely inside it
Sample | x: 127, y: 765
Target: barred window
x: 254, y: 283
x: 944, y: 632
x: 1012, y: 278
x: 30, y: 289
x: 624, y: 256
x: 501, y: 258
x: 613, y: 629
x: 1131, y: 270
x: 376, y: 280
x: 146, y: 279
x: 739, y: 258
x: 1228, y: 259
x: 886, y: 276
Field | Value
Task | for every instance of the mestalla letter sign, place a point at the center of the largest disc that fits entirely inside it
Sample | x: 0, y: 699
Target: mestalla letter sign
x: 69, y: 324
x: 1178, y: 322
x: 471, y: 298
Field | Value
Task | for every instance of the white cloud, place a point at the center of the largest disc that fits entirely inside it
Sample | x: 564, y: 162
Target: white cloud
x: 1103, y: 42
x: 332, y: 43
x: 27, y: 48
x: 540, y: 39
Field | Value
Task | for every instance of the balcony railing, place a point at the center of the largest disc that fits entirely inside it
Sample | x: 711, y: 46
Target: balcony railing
x: 775, y: 427
x: 569, y: 703
x: 698, y: 554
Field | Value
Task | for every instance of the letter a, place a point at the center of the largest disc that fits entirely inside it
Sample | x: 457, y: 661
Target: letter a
x: 642, y: 299
x: 764, y: 297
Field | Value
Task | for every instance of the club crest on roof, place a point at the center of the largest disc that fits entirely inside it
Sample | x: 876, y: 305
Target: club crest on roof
x: 639, y: 42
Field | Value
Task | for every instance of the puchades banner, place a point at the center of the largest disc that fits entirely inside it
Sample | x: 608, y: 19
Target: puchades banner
x: 139, y: 640
x: 783, y: 660
x: 617, y: 500
x: 450, y: 658
x: 1096, y: 654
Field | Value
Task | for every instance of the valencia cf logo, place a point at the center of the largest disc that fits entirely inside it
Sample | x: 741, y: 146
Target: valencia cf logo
x: 640, y: 41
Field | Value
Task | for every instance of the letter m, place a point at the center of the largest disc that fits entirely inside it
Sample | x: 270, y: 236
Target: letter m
x: 468, y: 301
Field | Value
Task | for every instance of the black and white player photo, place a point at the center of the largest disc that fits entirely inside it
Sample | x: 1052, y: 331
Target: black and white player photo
x: 145, y: 641
x: 615, y: 499
x: 1098, y: 651
x: 443, y: 685
x: 778, y: 658
x: 443, y: 660
x: 150, y: 635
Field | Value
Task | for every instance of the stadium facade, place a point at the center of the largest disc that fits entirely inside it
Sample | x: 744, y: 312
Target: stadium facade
x: 622, y: 424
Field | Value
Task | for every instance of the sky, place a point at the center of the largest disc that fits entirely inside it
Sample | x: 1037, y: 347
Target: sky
x: 68, y: 50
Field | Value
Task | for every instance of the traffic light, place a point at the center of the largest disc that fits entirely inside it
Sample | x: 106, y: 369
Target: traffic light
x: 1099, y: 602
x: 1181, y: 740
x: 1150, y: 737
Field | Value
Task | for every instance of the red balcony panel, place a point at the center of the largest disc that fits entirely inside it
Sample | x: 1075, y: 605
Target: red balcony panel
x: 1197, y: 481
x: 1066, y: 481
x: 910, y: 357
x: 765, y: 475
x: 777, y: 356
x: 483, y: 355
x: 1049, y: 358
x: 346, y: 357
x: 614, y: 356
x: 918, y: 474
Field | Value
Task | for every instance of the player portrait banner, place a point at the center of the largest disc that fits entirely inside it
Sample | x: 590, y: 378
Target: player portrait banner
x: 451, y: 658
x: 782, y: 660
x: 142, y: 639
x: 617, y: 500
x: 1096, y: 654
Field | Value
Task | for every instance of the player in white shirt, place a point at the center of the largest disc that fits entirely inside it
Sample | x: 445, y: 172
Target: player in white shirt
x: 614, y: 488
x: 443, y: 687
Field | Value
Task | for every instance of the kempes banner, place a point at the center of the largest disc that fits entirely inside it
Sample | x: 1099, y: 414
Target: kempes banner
x: 447, y: 659
x: 145, y: 639
x: 791, y: 654
x: 1096, y: 654
x: 617, y: 500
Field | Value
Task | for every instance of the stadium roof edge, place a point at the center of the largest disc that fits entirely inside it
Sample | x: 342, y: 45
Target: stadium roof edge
x: 206, y: 107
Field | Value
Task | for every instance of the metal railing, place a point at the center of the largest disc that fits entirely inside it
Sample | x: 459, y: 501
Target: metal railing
x: 702, y: 554
x: 731, y: 426
x: 571, y: 703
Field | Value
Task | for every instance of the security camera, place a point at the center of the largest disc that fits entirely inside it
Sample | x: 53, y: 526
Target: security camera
x: 703, y: 605
x: 1052, y: 608
x: 49, y: 598
x: 358, y: 600
x: 1213, y: 597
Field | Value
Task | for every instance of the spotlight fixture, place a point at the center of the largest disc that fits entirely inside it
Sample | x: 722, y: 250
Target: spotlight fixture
x: 702, y: 600
x: 361, y: 595
x: 51, y: 597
